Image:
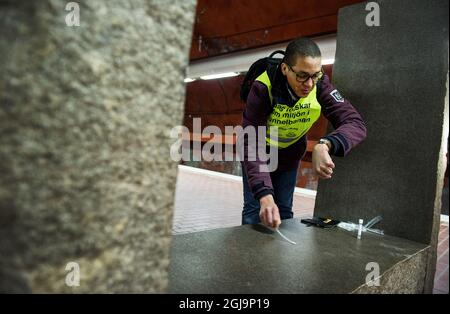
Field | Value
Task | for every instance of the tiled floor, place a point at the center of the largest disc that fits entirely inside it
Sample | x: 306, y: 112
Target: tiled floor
x: 441, y: 277
x: 204, y: 200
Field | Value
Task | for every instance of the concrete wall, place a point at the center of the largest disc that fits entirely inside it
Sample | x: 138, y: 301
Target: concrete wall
x: 85, y: 115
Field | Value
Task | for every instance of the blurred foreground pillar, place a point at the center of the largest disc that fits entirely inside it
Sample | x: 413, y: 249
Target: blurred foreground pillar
x: 86, y: 180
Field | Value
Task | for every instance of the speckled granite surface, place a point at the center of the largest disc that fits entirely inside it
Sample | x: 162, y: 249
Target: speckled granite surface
x: 253, y: 259
x: 85, y: 118
x: 381, y: 70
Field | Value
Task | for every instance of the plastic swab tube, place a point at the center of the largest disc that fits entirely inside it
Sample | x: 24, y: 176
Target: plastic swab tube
x: 360, y: 226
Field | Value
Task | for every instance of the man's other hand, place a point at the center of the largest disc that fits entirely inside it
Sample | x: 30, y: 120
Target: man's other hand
x: 321, y: 161
x: 269, y: 213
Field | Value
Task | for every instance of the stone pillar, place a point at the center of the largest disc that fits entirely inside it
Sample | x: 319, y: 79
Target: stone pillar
x: 85, y: 117
x: 395, y: 74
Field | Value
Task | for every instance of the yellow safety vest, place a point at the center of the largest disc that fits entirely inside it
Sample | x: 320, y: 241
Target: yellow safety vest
x: 292, y: 122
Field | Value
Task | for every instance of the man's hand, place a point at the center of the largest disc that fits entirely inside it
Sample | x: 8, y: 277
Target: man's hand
x: 269, y: 213
x: 322, y: 163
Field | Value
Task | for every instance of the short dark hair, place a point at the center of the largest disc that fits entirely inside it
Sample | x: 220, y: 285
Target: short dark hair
x: 301, y: 47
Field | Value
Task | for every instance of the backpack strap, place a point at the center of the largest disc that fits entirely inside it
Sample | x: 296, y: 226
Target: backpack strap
x: 281, y: 52
x: 319, y: 87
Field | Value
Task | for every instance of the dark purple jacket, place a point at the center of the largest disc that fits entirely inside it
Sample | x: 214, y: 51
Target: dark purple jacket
x: 349, y: 129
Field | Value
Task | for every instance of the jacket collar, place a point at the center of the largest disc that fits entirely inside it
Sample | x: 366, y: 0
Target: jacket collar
x: 281, y: 91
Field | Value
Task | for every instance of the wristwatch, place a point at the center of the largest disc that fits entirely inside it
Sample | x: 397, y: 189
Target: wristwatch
x: 326, y: 142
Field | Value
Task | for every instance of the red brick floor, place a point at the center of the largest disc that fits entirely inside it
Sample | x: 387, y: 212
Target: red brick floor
x: 205, y: 200
x: 441, y: 277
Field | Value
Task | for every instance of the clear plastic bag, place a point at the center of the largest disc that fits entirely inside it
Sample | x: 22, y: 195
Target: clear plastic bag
x: 352, y: 227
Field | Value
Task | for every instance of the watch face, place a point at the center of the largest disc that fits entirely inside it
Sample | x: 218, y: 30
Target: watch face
x: 325, y: 142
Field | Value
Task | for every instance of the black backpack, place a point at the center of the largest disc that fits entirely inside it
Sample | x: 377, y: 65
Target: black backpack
x: 256, y: 69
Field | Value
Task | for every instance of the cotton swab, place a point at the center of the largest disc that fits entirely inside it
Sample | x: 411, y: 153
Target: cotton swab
x: 284, y: 237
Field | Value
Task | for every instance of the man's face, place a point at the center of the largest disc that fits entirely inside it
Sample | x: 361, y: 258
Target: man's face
x: 297, y: 74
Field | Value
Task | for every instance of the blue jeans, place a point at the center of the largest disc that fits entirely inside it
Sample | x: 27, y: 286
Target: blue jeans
x: 283, y: 184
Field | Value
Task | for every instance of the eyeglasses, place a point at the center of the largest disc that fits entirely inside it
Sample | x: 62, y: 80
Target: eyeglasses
x: 302, y: 77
